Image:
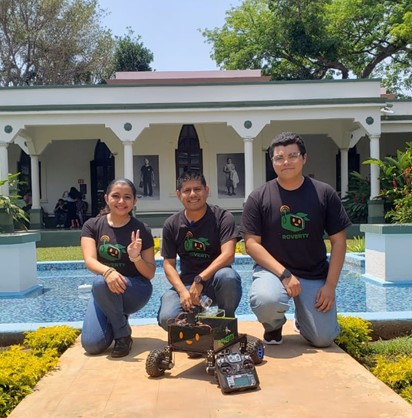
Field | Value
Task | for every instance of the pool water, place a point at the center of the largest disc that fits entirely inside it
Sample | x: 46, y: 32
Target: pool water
x: 61, y: 300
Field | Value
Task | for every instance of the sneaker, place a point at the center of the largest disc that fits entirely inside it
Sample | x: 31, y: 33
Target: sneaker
x: 122, y: 347
x: 296, y: 326
x: 273, y: 337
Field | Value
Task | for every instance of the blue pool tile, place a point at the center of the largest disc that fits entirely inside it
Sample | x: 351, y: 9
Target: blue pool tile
x: 61, y: 301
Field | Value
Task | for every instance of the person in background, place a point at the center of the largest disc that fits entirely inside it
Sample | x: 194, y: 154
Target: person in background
x: 120, y: 250
x: 283, y: 223
x: 72, y: 221
x: 28, y: 202
x: 147, y: 178
x: 204, y: 237
x: 232, y: 178
x: 81, y: 209
x: 60, y: 212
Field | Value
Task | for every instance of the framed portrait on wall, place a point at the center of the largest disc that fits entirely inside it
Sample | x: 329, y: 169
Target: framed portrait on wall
x: 231, y: 175
x: 146, y: 176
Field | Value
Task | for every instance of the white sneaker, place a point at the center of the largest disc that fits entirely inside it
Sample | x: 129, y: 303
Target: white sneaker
x: 296, y: 326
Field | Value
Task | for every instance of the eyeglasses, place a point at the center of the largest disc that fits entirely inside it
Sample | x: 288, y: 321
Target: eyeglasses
x: 195, y: 190
x: 292, y: 157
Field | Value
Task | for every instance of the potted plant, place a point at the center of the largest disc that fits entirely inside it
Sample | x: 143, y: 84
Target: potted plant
x: 17, y: 248
x: 387, y: 246
x: 11, y: 214
x: 396, y: 185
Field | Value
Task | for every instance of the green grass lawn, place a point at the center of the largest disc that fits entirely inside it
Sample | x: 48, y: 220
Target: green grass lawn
x: 75, y: 253
x: 59, y: 253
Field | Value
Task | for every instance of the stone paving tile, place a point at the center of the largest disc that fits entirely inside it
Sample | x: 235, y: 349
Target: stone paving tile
x: 296, y: 381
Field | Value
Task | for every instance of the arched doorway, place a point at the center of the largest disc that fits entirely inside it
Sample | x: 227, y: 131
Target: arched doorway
x: 188, y: 155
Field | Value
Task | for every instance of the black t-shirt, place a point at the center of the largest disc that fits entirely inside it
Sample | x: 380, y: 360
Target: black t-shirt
x: 292, y: 223
x: 197, y: 243
x: 111, y: 243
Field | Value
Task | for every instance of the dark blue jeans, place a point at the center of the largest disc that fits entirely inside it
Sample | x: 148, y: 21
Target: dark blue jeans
x: 225, y: 289
x: 107, y: 312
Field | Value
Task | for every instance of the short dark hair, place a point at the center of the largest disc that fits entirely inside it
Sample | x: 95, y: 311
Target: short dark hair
x: 287, y: 138
x: 190, y: 175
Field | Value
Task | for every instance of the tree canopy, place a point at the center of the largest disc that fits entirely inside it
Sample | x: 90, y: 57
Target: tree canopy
x: 316, y: 39
x: 60, y: 42
x: 131, y: 55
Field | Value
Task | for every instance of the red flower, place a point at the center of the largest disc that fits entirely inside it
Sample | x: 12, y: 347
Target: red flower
x: 406, y: 175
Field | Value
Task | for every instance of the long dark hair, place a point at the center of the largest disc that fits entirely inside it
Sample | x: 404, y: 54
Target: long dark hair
x: 129, y: 183
x: 74, y: 193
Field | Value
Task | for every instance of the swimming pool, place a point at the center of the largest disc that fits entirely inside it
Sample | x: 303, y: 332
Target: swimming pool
x: 61, y: 301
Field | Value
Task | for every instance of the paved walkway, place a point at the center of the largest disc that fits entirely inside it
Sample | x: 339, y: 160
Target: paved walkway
x: 296, y: 381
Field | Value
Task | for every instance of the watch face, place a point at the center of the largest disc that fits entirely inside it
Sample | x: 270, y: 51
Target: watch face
x: 198, y: 279
x: 286, y: 274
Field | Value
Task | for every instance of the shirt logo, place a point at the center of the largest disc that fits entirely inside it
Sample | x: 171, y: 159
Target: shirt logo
x: 196, y: 247
x: 109, y: 251
x: 293, y: 222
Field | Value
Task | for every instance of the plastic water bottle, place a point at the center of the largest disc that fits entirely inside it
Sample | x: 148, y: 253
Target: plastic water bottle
x: 205, y: 302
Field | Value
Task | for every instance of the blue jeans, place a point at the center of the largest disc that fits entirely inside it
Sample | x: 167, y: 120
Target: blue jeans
x: 269, y: 302
x: 225, y: 289
x: 107, y: 312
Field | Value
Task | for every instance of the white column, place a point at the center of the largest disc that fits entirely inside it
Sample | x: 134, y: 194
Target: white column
x: 344, y: 176
x: 35, y: 182
x: 249, y: 180
x: 4, y: 168
x: 374, y: 153
x: 128, y: 159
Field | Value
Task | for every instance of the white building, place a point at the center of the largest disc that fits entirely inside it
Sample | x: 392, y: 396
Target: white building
x: 84, y: 136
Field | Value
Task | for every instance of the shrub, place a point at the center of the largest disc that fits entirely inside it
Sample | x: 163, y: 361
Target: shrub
x: 240, y: 247
x: 393, y: 347
x: 356, y: 245
x: 156, y: 244
x: 406, y: 393
x: 20, y: 370
x: 396, y: 372
x: 59, y: 337
x: 354, y: 335
x: 21, y: 367
x: 396, y: 184
x: 402, y: 211
x: 356, y: 200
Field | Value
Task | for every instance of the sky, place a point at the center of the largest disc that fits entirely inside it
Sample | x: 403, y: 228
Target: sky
x: 169, y: 28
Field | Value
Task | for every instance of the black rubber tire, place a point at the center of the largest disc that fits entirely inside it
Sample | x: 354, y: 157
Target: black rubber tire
x: 256, y: 349
x: 153, y: 363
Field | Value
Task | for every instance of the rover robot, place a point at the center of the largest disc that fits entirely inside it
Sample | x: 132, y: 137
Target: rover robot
x: 213, y: 337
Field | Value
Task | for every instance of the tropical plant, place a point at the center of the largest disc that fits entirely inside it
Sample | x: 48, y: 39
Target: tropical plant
x: 356, y: 200
x: 396, y: 184
x: 12, y: 203
x: 356, y: 245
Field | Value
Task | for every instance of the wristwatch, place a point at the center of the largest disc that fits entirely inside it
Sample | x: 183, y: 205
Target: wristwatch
x: 198, y: 279
x: 285, y: 275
